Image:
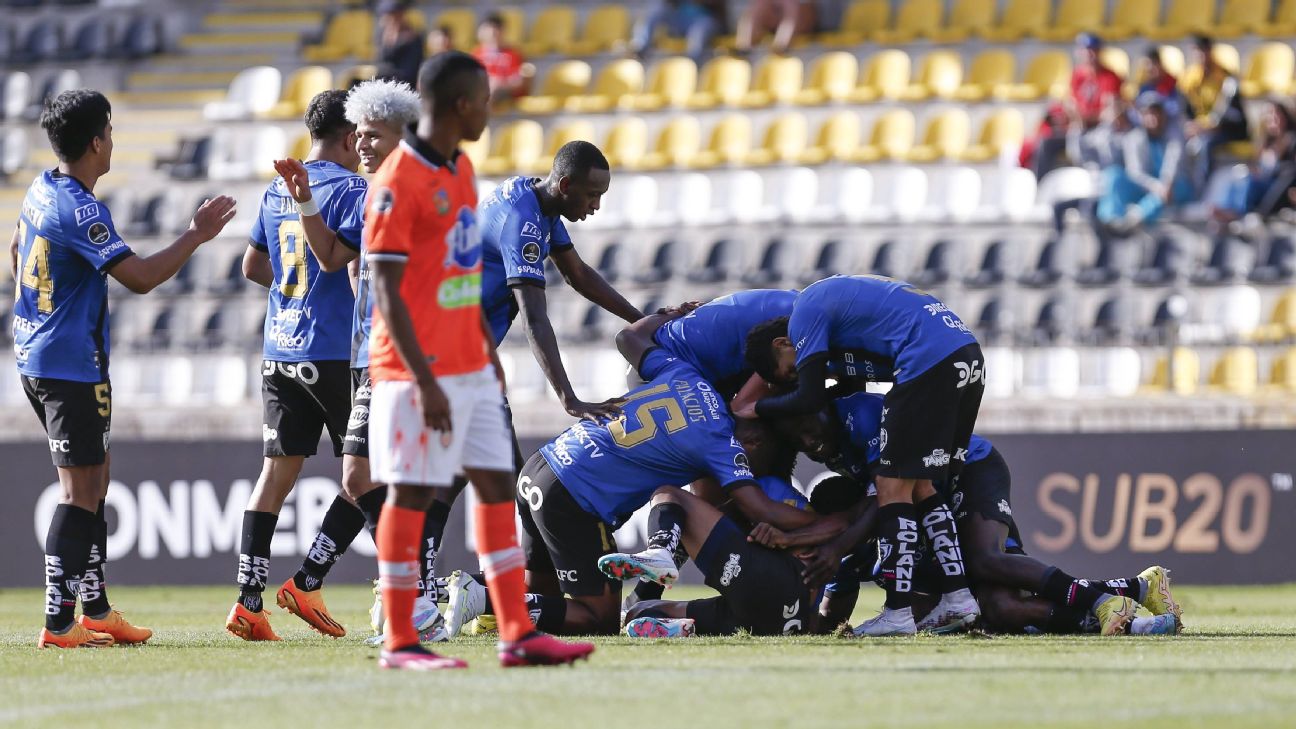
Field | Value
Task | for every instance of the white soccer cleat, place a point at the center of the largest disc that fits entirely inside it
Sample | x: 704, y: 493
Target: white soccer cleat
x: 466, y: 600
x: 1164, y: 624
x: 651, y: 565
x: 956, y: 611
x: 428, y: 621
x: 888, y: 622
x: 661, y: 628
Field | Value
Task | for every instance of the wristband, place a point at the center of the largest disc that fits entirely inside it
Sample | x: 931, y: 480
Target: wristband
x: 307, y: 208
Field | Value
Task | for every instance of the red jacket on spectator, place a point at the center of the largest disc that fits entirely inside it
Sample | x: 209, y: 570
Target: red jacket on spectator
x: 1092, y: 89
x: 502, y: 64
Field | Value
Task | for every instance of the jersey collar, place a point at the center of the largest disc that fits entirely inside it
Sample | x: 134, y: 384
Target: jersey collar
x: 424, y: 150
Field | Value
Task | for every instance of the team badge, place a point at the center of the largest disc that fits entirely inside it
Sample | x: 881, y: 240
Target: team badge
x: 442, y: 202
x: 531, y: 252
x: 383, y: 199
x: 98, y: 234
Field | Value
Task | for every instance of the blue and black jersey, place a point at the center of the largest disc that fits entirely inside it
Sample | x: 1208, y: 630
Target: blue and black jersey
x: 713, y: 337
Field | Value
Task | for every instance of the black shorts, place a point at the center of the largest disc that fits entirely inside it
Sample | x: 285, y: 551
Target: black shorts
x: 299, y: 401
x: 77, y: 417
x: 760, y: 589
x: 928, y: 421
x: 558, y: 534
x: 356, y: 441
x: 985, y: 487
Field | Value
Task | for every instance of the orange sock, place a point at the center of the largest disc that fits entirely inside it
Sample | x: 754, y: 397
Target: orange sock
x: 399, y: 531
x: 501, y: 558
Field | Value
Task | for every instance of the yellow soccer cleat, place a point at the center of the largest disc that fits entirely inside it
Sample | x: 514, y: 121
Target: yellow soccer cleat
x: 115, y: 624
x: 309, y: 606
x: 1114, y: 614
x: 483, y: 625
x: 1159, y: 600
x: 76, y: 637
x: 249, y: 625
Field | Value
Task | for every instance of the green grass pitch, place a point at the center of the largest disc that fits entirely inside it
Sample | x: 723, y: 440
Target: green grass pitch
x: 1235, y: 666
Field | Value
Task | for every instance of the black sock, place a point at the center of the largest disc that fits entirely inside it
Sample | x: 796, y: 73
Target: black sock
x: 942, y: 537
x: 254, y: 557
x: 370, y: 504
x: 1131, y: 587
x: 549, y: 613
x: 645, y: 590
x: 664, y: 530
x: 67, y: 550
x: 1060, y: 588
x: 897, y: 551
x: 1064, y: 620
x: 341, y: 525
x: 434, y: 525
x: 94, y: 588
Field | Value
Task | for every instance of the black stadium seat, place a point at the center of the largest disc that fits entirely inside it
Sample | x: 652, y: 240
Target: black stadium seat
x: 936, y: 269
x: 664, y: 264
x: 609, y: 263
x: 992, y: 271
x: 1046, y: 272
x: 93, y: 39
x: 1169, y: 262
x: 773, y: 266
x: 43, y: 42
x: 1279, y: 264
x: 143, y: 37
x: 1229, y: 260
x: 720, y: 263
x: 993, y: 323
x: 1051, y: 324
x: 884, y: 260
x: 831, y: 260
x: 1112, y: 321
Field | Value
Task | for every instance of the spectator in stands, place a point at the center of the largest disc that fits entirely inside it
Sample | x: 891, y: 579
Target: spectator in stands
x: 439, y: 40
x: 1153, y: 77
x: 400, y: 47
x: 1134, y: 195
x: 1094, y: 89
x: 510, y: 75
x: 1262, y: 186
x: 1215, y: 107
x: 697, y: 21
x: 786, y: 19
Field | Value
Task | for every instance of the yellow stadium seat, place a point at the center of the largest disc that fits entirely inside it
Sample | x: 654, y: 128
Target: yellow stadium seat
x: 1269, y: 70
x: 516, y: 148
x: 1132, y: 18
x: 940, y: 76
x: 1282, y: 322
x: 1073, y: 17
x: 990, y: 70
x: 1236, y: 372
x: 671, y: 83
x: 617, y: 83
x: 967, y: 18
x: 1183, y: 18
x: 1184, y: 378
x: 911, y: 22
x: 1172, y: 58
x: 678, y: 144
x: 564, y: 80
x: 1283, y: 23
x: 572, y: 131
x: 778, y: 79
x: 725, y: 81
x: 946, y: 137
x: 1047, y: 74
x: 300, y: 147
x: 1240, y: 17
x: 462, y: 23
x: 729, y: 143
x: 348, y: 35
x: 832, y: 78
x: 1004, y: 129
x: 886, y: 76
x: 607, y: 28
x: 552, y: 31
x: 416, y: 20
x: 1019, y: 19
x: 627, y: 143
x: 479, y: 150
x: 1116, y: 59
x: 861, y: 20
x: 1282, y: 373
x: 356, y: 74
x: 784, y: 142
x: 892, y: 137
x: 298, y: 90
x: 837, y: 140
x: 514, y: 26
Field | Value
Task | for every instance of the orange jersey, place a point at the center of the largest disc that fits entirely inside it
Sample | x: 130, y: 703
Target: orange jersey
x: 422, y: 210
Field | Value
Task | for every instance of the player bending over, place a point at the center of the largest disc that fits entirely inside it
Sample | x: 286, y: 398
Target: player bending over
x: 64, y: 249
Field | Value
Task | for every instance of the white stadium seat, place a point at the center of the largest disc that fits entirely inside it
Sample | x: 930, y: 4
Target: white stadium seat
x: 1007, y: 194
x: 1051, y: 372
x: 244, y: 154
x: 1002, y: 372
x: 1064, y: 183
x: 254, y: 91
x: 797, y: 193
x: 955, y: 194
x: 218, y: 380
x: 906, y: 193
x: 854, y: 194
x: 17, y: 93
x: 1111, y: 372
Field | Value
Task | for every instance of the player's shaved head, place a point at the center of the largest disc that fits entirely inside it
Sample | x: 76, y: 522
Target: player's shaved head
x: 447, y: 77
x: 326, y: 116
x: 576, y: 159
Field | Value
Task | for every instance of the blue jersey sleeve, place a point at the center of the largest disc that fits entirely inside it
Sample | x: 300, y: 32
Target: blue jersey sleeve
x: 558, y: 236
x: 654, y: 361
x: 346, y: 216
x: 782, y: 491
x: 808, y: 328
x: 89, y: 231
x: 723, y: 456
x: 521, y: 243
x: 260, y: 240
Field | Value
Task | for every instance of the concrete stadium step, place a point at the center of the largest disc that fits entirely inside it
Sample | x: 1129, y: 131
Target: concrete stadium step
x: 280, y: 21
x: 175, y: 80
x: 151, y: 121
x: 269, y: 40
x: 289, y: 5
x: 166, y: 99
x: 211, y: 61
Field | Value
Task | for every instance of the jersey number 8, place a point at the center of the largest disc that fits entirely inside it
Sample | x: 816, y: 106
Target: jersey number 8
x: 292, y: 255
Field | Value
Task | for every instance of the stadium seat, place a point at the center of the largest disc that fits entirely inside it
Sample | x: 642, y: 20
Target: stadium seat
x: 1269, y: 70
x: 832, y: 78
x: 955, y: 194
x: 1047, y: 74
x: 967, y: 18
x: 610, y: 261
x: 774, y: 264
x: 1071, y: 18
x: 1010, y: 196
x: 743, y: 198
x: 1116, y: 59
x: 301, y: 87
x: 1230, y: 258
x: 1051, y: 372
x: 939, y: 76
x: 1002, y: 130
x: 16, y: 94
x: 245, y: 153
x: 722, y: 263
x: 349, y: 34
x: 837, y: 140
x: 886, y: 76
x: 690, y: 201
x: 777, y: 81
x: 990, y: 70
x: 1231, y: 312
x: 1279, y: 263
x: 1282, y: 374
x: 936, y: 268
x: 1180, y: 379
x: 859, y: 22
x: 552, y: 31
x: 616, y: 85
x: 479, y: 150
x: 884, y: 260
x: 1062, y: 184
x: 1168, y: 263
x: 854, y: 189
x: 570, y: 131
x: 1131, y: 18
x: 253, y: 91
x: 993, y: 268
x: 671, y: 82
x: 563, y: 81
x: 665, y: 261
x: 462, y: 23
x: 946, y: 137
x: 1283, y: 23
x: 728, y: 144
x: 832, y: 258
x: 912, y: 21
x: 892, y: 137
x: 784, y: 141
x: 993, y: 324
x: 1184, y: 18
x: 1241, y: 17
x: 1113, y: 321
x: 14, y: 150
x: 1282, y: 321
x: 677, y: 144
x: 42, y: 42
x: 218, y: 380
x: 516, y: 147
x: 626, y: 143
x: 92, y: 39
x: 1112, y: 372
x: 514, y: 26
x: 1236, y: 372
x: 142, y: 37
x: 1017, y: 20
x: 636, y: 201
x: 1055, y: 321
x: 607, y: 28
x: 1046, y: 272
x: 1003, y: 368
x: 725, y: 81
x: 356, y: 74
x: 795, y: 195
x: 906, y: 193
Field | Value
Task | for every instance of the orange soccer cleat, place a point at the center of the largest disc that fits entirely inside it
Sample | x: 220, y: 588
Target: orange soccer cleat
x: 309, y: 606
x: 249, y: 625
x: 76, y: 637
x: 115, y: 624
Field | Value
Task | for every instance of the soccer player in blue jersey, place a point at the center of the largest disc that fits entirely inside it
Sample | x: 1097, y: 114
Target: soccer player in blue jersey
x: 64, y: 249
x: 306, y: 371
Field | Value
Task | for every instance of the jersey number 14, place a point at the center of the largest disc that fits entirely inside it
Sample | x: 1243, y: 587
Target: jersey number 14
x: 35, y: 271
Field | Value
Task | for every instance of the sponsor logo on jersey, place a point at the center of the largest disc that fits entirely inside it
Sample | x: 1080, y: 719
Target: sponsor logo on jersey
x: 22, y: 325
x: 531, y: 252
x: 383, y: 200
x: 107, y: 251
x: 60, y: 446
x: 731, y: 569
x: 882, y: 439
x: 1004, y: 508
x: 969, y: 373
x: 568, y: 576
x: 359, y: 417
x: 937, y: 458
x: 86, y: 213
x: 460, y: 291
x: 960, y: 454
x: 463, y: 242
x: 531, y: 230
x: 268, y: 433
x: 98, y: 234
x: 357, y: 183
